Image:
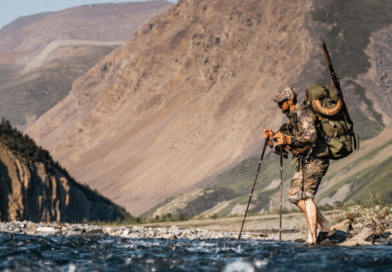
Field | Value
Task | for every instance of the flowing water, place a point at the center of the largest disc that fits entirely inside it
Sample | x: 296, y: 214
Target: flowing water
x: 105, y: 253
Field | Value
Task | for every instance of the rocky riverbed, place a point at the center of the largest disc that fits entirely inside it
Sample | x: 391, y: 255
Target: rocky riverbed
x: 134, y: 232
x: 366, y: 226
x: 357, y: 226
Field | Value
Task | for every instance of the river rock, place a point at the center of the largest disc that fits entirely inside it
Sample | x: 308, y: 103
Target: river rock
x: 31, y: 226
x: 170, y: 236
x: 138, y: 229
x: 45, y: 229
x: 365, y: 237
x: 48, y: 230
x: 336, y: 238
x: 95, y: 232
x: 344, y: 226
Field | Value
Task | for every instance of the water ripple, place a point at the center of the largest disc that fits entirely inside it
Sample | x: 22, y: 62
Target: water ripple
x: 105, y: 253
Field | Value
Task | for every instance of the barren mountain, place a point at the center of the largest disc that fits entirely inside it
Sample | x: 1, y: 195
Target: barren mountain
x: 97, y: 22
x: 47, y: 79
x: 41, y: 55
x: 186, y: 98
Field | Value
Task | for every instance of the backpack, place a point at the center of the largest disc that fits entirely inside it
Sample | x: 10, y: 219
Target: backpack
x: 334, y: 124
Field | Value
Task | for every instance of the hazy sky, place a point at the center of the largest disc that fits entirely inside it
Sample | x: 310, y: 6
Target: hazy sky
x: 12, y: 9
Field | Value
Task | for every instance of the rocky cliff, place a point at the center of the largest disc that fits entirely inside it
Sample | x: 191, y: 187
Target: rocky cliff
x: 186, y: 98
x: 37, y: 193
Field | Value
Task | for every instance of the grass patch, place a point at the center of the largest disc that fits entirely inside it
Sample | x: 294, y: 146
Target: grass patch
x: 263, y: 200
x: 377, y: 178
x: 241, y: 177
x: 208, y: 200
x: 368, y: 156
x: 360, y: 210
x: 237, y: 184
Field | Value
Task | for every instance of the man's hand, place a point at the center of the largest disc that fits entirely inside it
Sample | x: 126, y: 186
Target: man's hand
x: 282, y: 139
x: 269, y: 134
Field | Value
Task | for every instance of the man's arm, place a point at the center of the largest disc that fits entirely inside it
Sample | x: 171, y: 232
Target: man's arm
x: 308, y: 123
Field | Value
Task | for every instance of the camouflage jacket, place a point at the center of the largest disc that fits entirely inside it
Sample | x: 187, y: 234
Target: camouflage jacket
x: 302, y: 125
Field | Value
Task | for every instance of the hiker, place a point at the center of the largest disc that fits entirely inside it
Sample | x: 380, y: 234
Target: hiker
x: 305, y: 144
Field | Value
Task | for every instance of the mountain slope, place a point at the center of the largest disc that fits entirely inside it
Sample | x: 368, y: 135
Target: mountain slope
x: 150, y: 99
x: 33, y: 187
x: 26, y: 96
x: 41, y: 55
x: 186, y: 99
x: 98, y: 22
x: 348, y: 180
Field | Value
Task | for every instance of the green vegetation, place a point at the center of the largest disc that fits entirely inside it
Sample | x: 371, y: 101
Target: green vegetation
x: 236, y: 185
x: 208, y: 200
x: 377, y: 178
x: 374, y: 206
x: 359, y: 176
x: 240, y: 178
x: 130, y: 220
x: 22, y: 146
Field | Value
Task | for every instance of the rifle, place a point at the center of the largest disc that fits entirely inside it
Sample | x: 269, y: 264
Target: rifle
x: 335, y: 83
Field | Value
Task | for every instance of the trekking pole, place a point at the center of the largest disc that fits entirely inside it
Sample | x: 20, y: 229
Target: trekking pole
x: 254, y: 183
x: 281, y: 181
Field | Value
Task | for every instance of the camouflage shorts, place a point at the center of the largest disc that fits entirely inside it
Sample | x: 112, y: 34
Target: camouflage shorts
x: 307, y: 178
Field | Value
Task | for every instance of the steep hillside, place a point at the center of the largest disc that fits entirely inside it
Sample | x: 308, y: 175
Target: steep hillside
x: 42, y: 54
x: 33, y: 187
x: 186, y: 98
x: 26, y: 96
x: 351, y: 179
x: 360, y: 49
x: 98, y: 22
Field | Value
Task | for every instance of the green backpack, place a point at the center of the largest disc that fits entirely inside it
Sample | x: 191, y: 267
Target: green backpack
x: 333, y: 121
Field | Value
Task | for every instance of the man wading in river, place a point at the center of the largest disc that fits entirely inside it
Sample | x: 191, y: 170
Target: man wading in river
x: 305, y: 142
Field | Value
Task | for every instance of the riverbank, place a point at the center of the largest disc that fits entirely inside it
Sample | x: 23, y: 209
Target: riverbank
x: 356, y: 225
x: 256, y: 227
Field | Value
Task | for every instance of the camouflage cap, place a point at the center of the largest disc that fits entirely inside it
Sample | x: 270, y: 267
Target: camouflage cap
x: 285, y: 94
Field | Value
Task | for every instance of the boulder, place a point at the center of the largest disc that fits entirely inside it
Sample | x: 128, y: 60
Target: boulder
x: 95, y: 232
x: 365, y: 237
x: 344, y: 226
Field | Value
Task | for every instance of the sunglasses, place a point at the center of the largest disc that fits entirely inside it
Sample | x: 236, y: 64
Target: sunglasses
x: 281, y: 103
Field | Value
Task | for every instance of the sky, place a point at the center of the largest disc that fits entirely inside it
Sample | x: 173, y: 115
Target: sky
x: 12, y: 9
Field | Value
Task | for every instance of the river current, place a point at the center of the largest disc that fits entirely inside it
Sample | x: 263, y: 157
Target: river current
x: 105, y: 253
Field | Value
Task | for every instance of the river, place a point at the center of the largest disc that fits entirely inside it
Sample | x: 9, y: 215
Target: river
x: 106, y: 253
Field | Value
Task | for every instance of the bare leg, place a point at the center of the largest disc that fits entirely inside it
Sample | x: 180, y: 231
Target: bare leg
x: 311, y: 214
x: 324, y: 224
x: 302, y: 206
